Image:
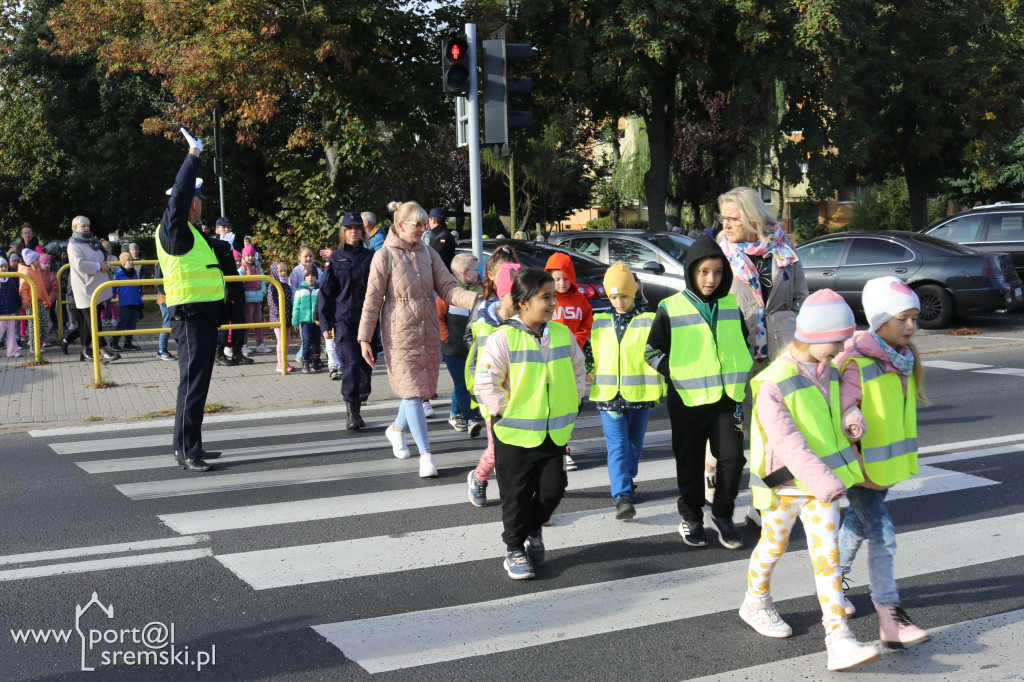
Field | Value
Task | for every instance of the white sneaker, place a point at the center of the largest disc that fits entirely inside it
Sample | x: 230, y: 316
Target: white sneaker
x: 397, y: 439
x: 569, y: 464
x: 228, y: 352
x: 845, y: 652
x: 427, y: 468
x: 245, y: 350
x: 764, y: 617
x: 262, y: 348
x: 428, y: 409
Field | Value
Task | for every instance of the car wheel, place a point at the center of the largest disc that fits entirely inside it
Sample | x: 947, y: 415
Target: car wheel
x: 936, y: 307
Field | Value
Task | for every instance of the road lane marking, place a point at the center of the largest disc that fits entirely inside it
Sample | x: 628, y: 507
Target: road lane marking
x: 1002, y: 371
x: 323, y: 562
x: 406, y: 640
x: 950, y: 364
x: 137, y: 546
x: 105, y: 564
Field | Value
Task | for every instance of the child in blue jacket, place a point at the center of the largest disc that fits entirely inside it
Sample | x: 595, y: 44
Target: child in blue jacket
x: 130, y: 302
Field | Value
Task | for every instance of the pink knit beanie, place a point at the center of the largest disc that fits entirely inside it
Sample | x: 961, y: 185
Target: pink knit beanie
x: 824, y: 317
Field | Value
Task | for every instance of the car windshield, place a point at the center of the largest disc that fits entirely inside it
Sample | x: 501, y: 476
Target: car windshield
x: 676, y: 245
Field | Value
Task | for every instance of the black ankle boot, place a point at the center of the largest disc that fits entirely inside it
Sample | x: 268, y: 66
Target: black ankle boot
x: 351, y: 422
x: 359, y: 419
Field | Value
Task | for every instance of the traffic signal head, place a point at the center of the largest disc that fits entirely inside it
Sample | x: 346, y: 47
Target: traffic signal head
x: 498, y: 88
x: 455, y: 64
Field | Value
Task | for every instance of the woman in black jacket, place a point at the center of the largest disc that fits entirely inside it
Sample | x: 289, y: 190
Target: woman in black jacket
x: 339, y: 308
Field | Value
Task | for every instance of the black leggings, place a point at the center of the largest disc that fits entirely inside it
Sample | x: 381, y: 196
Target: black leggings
x: 84, y: 328
x: 532, y: 482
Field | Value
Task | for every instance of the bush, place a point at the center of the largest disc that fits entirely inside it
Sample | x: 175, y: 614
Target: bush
x: 804, y: 218
x: 883, y: 207
x: 600, y: 223
x: 638, y: 225
x: 492, y: 225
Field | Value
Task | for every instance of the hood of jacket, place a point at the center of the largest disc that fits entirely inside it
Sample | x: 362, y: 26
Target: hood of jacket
x: 560, y: 261
x: 705, y: 247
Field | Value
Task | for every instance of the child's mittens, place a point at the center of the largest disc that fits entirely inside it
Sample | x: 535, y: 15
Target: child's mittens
x: 853, y: 423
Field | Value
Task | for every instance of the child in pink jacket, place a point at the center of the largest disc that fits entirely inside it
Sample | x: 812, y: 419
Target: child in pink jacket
x: 800, y: 466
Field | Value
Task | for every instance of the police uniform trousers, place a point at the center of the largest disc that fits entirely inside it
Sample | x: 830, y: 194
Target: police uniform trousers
x: 355, y: 373
x: 692, y: 428
x: 196, y: 334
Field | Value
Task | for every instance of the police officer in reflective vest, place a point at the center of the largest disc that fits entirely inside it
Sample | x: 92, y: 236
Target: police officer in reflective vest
x: 194, y: 289
x: 698, y: 342
x: 530, y: 377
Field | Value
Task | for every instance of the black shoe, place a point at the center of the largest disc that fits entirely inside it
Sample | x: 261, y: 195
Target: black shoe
x: 64, y: 346
x: 108, y: 357
x: 624, y: 508
x: 211, y: 454
x: 115, y: 346
x: 240, y: 359
x: 727, y: 533
x: 85, y: 356
x: 196, y: 464
x: 693, y: 533
x: 131, y: 346
x: 223, y: 360
x: 350, y: 422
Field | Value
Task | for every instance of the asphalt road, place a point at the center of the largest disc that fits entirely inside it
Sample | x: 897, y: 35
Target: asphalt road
x: 304, y: 527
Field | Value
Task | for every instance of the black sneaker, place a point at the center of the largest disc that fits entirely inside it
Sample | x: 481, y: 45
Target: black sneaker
x: 115, y: 346
x: 131, y: 346
x: 624, y: 508
x: 727, y: 533
x: 693, y: 533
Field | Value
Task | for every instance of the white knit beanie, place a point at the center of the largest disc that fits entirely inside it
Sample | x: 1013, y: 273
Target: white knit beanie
x: 886, y: 297
x: 29, y: 256
x: 824, y: 317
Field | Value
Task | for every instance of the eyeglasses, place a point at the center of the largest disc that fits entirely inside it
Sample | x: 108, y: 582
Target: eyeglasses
x: 729, y: 221
x: 413, y: 222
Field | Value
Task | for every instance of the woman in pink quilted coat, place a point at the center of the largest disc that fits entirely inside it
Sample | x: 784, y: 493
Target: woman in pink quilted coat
x: 404, y: 276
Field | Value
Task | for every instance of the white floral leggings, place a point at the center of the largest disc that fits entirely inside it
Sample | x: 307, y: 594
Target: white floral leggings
x: 821, y: 525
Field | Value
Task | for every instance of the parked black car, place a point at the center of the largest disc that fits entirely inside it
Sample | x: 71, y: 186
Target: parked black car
x: 655, y: 257
x: 996, y: 228
x: 589, y: 272
x: 949, y: 278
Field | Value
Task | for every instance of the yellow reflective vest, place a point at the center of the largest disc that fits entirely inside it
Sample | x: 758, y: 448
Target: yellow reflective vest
x: 542, y: 397
x: 481, y: 330
x: 193, y: 277
x: 889, y: 445
x: 819, y: 422
x: 619, y: 366
x: 700, y: 366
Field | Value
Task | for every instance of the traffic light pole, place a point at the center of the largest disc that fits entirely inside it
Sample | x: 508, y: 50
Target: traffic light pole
x: 473, y: 139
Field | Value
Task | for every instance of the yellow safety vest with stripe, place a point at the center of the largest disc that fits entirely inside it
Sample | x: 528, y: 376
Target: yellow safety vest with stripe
x: 481, y: 330
x: 820, y: 423
x: 700, y: 366
x: 193, y: 277
x: 542, y: 397
x: 619, y: 366
x: 889, y: 445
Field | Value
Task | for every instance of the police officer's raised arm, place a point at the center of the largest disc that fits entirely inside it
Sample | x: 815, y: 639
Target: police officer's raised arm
x: 175, y: 235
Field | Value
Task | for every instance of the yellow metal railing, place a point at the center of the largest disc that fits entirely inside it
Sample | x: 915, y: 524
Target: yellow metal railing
x: 34, y: 316
x: 60, y: 302
x: 96, y: 334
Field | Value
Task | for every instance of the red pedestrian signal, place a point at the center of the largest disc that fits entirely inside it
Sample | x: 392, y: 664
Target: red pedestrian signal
x: 455, y: 64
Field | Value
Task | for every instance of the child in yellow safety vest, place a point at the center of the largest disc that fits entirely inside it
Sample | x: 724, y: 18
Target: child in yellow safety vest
x: 800, y: 466
x: 699, y: 343
x: 625, y: 386
x: 530, y: 378
x: 880, y: 383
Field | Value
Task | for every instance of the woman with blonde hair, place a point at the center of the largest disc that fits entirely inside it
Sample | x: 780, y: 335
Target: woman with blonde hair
x: 768, y: 280
x: 404, y: 276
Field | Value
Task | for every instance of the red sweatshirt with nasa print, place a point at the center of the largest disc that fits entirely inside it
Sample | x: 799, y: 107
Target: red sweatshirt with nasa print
x: 573, y: 309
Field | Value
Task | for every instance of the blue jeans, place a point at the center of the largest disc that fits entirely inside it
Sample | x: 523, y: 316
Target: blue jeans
x: 165, y: 322
x: 461, y: 407
x: 410, y: 416
x: 868, y: 519
x: 310, y: 343
x: 624, y: 435
x: 126, y: 322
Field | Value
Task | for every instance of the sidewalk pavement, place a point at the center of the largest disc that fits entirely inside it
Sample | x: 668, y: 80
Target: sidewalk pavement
x: 55, y: 394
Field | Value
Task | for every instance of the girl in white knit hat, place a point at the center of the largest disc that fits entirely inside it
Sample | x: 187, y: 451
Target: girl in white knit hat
x: 801, y: 464
x: 879, y: 388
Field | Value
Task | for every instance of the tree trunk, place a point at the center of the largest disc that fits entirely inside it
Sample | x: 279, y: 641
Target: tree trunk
x: 917, y: 190
x: 511, y: 196
x: 613, y: 217
x: 660, y: 121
